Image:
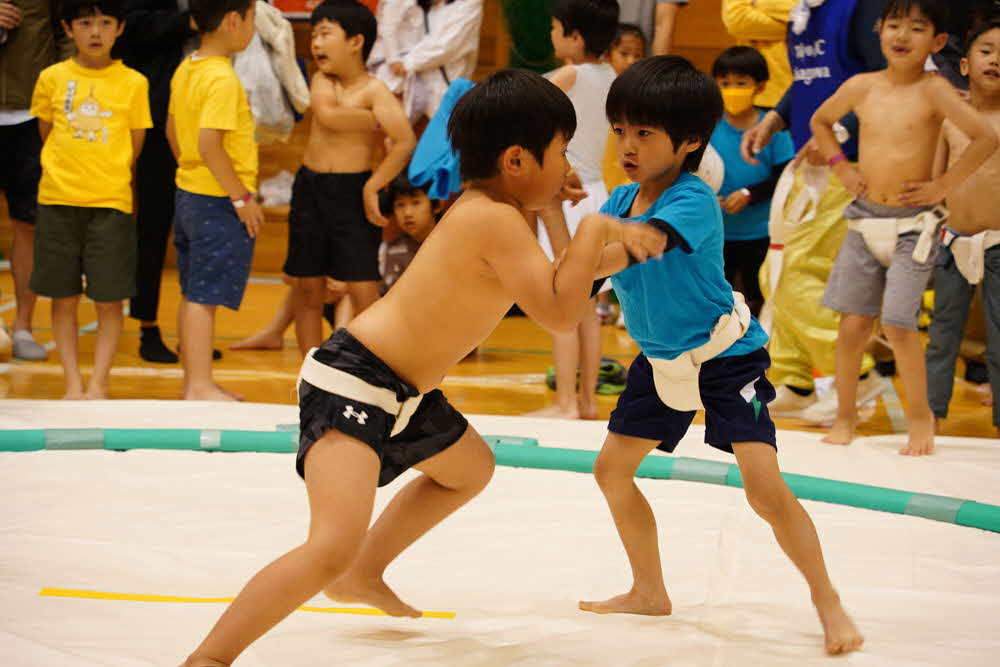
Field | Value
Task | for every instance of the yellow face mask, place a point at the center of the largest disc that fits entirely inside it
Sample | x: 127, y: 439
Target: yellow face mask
x: 737, y: 100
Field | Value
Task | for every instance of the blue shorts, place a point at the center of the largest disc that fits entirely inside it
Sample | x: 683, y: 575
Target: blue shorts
x: 213, y: 250
x: 734, y: 391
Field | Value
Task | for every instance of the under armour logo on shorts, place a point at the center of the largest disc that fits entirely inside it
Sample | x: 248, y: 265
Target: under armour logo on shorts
x: 360, y: 416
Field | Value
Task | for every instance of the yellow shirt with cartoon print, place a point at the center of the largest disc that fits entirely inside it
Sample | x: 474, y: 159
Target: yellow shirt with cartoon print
x: 206, y: 94
x: 87, y: 158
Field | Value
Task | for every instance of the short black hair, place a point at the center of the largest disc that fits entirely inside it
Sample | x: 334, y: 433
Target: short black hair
x: 76, y: 9
x: 741, y: 61
x: 670, y: 93
x: 208, y: 14
x: 597, y: 21
x: 936, y: 12
x: 509, y: 108
x: 353, y: 17
x: 401, y: 186
x: 980, y: 28
x: 628, y: 29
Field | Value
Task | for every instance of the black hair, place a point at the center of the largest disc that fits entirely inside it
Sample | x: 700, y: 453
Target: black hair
x: 352, y: 16
x: 401, y: 186
x: 509, y: 108
x: 670, y: 93
x: 76, y: 9
x: 741, y: 61
x: 628, y: 29
x: 208, y: 14
x: 936, y: 12
x: 597, y: 21
x: 980, y: 28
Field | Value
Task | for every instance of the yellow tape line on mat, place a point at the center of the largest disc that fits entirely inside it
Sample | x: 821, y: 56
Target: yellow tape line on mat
x: 137, y: 597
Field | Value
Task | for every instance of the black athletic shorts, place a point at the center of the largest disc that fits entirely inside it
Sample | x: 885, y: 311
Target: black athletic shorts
x: 433, y: 427
x: 328, y: 233
x: 734, y: 391
x: 21, y: 168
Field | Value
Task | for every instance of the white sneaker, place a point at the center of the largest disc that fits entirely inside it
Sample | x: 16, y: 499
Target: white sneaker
x: 25, y: 347
x: 787, y: 403
x: 824, y: 411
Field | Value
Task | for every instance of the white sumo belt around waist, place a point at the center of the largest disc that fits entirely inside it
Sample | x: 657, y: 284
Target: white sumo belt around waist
x: 880, y: 234
x: 676, y: 380
x: 336, y: 381
x: 969, y: 251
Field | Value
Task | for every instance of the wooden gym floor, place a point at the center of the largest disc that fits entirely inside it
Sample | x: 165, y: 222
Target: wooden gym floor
x: 504, y: 378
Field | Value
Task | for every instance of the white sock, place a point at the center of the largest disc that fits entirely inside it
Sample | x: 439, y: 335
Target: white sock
x: 23, y: 335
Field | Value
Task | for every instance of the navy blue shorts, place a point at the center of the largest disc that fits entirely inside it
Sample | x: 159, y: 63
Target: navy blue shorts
x: 734, y: 391
x: 213, y: 250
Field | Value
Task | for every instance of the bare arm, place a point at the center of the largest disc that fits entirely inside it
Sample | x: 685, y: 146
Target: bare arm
x: 940, y: 155
x: 564, y: 77
x: 663, y: 30
x: 218, y: 162
x: 138, y: 137
x: 44, y: 127
x: 389, y: 114
x: 845, y: 100
x: 556, y: 297
x: 982, y: 144
x: 175, y: 147
x: 330, y: 113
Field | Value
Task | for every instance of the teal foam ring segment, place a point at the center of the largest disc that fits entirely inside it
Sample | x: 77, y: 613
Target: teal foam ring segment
x: 524, y: 453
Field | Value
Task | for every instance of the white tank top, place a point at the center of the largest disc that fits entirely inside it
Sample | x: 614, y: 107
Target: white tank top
x: 588, y: 95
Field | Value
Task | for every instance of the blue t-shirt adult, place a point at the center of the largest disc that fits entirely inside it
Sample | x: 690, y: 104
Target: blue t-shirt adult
x: 672, y: 303
x: 751, y: 222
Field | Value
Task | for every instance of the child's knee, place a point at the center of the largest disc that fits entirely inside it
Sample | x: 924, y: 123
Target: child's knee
x: 897, y: 335
x: 332, y: 554
x: 770, y: 501
x: 611, y: 475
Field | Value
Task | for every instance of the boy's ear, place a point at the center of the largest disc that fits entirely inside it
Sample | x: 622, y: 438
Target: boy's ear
x: 963, y: 66
x: 513, y: 161
x: 690, y: 146
x: 66, y: 28
x: 940, y: 40
x: 121, y: 29
x: 356, y: 42
x: 759, y: 88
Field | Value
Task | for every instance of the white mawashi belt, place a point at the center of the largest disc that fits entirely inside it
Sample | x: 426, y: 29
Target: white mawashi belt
x: 969, y: 251
x: 880, y: 234
x: 676, y: 380
x: 340, y: 383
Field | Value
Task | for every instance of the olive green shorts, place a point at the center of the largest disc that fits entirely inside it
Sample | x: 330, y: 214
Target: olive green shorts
x: 76, y: 241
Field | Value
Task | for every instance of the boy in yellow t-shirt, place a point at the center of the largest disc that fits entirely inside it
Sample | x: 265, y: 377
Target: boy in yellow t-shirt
x: 92, y: 114
x: 211, y: 133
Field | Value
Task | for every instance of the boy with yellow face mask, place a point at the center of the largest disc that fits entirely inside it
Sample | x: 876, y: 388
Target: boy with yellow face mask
x: 745, y: 195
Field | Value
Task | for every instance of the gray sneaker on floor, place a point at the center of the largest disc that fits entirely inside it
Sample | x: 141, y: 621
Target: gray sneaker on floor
x: 26, y: 349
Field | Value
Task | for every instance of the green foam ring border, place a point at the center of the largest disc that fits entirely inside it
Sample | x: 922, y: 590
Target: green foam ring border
x: 519, y: 452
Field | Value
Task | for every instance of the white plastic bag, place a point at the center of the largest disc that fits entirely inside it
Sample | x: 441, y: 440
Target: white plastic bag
x: 271, y: 110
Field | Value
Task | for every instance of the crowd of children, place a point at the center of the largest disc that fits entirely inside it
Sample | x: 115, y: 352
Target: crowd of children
x: 683, y: 258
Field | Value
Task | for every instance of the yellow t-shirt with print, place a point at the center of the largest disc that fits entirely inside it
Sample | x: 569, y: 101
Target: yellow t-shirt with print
x: 206, y: 94
x: 87, y: 158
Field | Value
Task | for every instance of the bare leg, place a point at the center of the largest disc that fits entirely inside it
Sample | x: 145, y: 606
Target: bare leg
x: 109, y: 331
x: 196, y: 326
x: 271, y: 337
x: 566, y: 352
x: 22, y: 261
x: 308, y: 299
x: 852, y: 337
x: 363, y: 294
x: 450, y: 480
x: 341, y: 475
x: 64, y: 330
x: 771, y: 498
x: 615, y: 473
x: 909, y: 352
x: 590, y: 361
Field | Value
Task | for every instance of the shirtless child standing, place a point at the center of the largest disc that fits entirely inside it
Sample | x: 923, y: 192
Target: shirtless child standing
x: 367, y: 398
x: 335, y: 227
x: 886, y: 259
x: 970, y: 249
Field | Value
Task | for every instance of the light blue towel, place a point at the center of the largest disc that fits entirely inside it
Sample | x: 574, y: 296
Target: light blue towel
x: 434, y: 161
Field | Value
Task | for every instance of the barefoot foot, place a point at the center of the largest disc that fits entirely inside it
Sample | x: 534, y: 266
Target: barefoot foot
x: 260, y: 341
x: 213, y: 393
x: 841, y: 635
x: 97, y: 392
x: 587, y: 407
x: 350, y: 588
x: 74, y: 395
x: 921, y: 438
x: 841, y: 433
x: 203, y: 662
x: 631, y: 603
x: 556, y: 411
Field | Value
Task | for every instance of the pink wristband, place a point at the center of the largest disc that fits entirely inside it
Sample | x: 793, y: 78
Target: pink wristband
x: 839, y: 157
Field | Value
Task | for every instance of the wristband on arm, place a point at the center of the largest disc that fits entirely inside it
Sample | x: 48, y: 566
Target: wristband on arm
x: 839, y: 157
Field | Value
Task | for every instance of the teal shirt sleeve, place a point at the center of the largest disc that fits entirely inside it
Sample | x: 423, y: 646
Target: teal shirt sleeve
x: 687, y: 207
